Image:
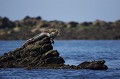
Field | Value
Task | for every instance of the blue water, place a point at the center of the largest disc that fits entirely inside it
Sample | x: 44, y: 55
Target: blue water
x: 74, y: 52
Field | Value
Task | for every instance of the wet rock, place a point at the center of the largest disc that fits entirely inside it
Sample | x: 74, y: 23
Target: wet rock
x: 93, y: 65
x: 54, y: 60
x: 51, y: 53
x: 47, y: 47
x: 35, y: 54
x: 40, y: 54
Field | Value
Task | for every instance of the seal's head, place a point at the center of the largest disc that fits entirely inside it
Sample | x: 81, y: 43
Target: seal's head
x: 54, y: 33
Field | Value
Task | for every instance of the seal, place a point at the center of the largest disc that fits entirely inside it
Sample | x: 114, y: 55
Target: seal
x: 52, y: 33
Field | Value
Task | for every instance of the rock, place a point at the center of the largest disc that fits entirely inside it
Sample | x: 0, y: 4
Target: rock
x: 40, y: 54
x: 86, y: 24
x: 47, y: 47
x: 72, y: 24
x: 17, y: 29
x: 35, y: 54
x: 51, y: 53
x: 42, y: 24
x: 93, y: 65
x: 30, y: 21
x: 99, y: 23
x: 56, y: 24
x: 6, y: 23
x: 54, y: 60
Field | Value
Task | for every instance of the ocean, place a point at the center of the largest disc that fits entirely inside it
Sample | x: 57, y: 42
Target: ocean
x: 74, y: 52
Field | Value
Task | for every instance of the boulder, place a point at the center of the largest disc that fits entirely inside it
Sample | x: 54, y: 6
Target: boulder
x: 93, y: 65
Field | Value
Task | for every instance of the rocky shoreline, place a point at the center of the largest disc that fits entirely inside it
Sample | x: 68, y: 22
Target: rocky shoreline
x: 40, y: 54
x: 30, y: 26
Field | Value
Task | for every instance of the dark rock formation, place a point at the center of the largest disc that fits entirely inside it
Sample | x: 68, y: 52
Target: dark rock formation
x: 94, y: 65
x: 6, y: 23
x: 86, y: 24
x: 72, y: 24
x: 40, y: 54
x: 35, y: 54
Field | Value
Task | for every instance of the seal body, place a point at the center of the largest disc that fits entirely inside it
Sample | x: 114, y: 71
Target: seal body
x: 52, y: 34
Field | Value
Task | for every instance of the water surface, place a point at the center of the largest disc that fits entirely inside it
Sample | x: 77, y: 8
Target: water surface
x: 74, y: 52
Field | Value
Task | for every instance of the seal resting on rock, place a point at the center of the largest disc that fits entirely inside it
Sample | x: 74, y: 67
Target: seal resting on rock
x: 37, y: 52
x: 52, y: 33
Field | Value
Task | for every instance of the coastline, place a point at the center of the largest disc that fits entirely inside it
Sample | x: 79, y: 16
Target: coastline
x: 31, y: 26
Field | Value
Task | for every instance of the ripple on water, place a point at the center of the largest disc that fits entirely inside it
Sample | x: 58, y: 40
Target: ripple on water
x: 74, y: 52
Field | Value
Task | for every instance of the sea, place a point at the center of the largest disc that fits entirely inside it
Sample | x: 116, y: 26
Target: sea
x: 74, y: 52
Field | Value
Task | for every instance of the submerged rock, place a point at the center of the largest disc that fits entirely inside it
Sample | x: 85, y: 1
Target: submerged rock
x: 40, y: 54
